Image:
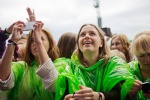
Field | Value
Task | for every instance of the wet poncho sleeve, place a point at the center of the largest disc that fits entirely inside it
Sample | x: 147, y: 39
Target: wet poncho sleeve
x: 135, y: 70
x: 99, y: 77
x: 27, y: 84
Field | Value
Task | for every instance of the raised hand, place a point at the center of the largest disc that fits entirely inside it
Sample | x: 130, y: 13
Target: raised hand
x: 37, y: 31
x: 31, y: 15
x: 17, y: 31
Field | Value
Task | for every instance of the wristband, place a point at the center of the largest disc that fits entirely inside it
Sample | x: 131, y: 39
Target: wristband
x: 11, y: 42
x: 100, y: 96
x: 16, y: 49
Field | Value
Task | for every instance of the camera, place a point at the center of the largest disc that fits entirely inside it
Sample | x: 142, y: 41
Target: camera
x: 146, y: 87
x: 29, y: 26
x: 107, y: 31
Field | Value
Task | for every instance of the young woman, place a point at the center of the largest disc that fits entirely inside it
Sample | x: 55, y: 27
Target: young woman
x: 141, y: 68
x: 122, y: 43
x: 92, y: 73
x: 20, y: 77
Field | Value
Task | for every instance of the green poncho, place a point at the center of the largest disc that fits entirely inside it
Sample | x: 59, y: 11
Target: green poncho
x: 98, y: 77
x: 28, y: 85
x: 135, y: 70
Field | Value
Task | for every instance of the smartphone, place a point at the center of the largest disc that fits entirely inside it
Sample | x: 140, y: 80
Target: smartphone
x: 146, y: 87
x: 29, y: 26
x: 107, y: 31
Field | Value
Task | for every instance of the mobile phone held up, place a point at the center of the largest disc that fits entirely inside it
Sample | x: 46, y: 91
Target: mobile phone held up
x: 107, y: 31
x: 146, y: 87
x: 29, y: 26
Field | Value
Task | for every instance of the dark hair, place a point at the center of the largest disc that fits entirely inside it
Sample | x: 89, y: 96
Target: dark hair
x: 67, y: 44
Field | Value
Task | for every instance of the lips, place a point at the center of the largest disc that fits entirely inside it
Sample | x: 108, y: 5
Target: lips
x: 87, y: 42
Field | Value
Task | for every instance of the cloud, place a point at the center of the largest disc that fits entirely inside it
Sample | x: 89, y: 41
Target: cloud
x: 122, y: 16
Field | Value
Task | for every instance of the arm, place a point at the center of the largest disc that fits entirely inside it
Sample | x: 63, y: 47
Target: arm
x: 5, y: 63
x: 47, y: 71
x: 4, y: 35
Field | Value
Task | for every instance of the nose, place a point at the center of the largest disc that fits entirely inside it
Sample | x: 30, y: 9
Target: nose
x: 87, y: 36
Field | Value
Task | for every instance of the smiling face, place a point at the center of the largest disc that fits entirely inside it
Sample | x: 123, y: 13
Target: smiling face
x: 89, y: 40
x: 45, y: 42
x: 116, y: 45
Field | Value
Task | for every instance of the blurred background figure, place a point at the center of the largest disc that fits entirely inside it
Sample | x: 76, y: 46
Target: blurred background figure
x: 141, y: 68
x: 67, y: 44
x: 122, y: 43
x: 119, y: 53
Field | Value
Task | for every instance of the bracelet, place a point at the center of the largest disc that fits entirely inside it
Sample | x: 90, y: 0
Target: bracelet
x: 100, y: 96
x: 16, y: 49
x: 12, y: 42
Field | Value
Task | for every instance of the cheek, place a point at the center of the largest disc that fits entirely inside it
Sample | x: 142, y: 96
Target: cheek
x: 80, y: 42
x: 141, y: 60
x: 46, y: 45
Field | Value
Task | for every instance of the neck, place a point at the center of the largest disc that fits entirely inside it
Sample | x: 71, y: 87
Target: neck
x: 37, y: 59
x: 90, y: 59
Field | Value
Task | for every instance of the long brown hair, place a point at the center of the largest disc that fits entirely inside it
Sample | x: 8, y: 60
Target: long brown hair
x: 104, y: 52
x: 67, y: 44
x: 53, y: 51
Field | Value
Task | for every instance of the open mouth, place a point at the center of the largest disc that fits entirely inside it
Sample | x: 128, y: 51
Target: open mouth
x: 87, y: 42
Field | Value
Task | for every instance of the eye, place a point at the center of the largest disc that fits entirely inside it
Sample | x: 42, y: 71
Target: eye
x: 82, y: 34
x: 118, y: 43
x: 42, y: 38
x: 112, y: 44
x: 92, y: 33
x: 32, y: 40
x: 140, y: 55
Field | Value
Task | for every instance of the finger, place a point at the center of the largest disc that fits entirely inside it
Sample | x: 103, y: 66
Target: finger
x: 138, y: 82
x: 68, y: 97
x: 82, y: 87
x: 85, y: 90
x: 90, y: 95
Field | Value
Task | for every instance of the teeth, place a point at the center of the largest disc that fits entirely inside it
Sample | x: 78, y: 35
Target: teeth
x: 87, y: 42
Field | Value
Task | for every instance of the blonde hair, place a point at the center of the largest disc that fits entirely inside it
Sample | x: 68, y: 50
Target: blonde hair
x: 141, y: 43
x: 120, y: 54
x: 125, y: 44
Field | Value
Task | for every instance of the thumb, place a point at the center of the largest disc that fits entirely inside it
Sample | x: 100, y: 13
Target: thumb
x: 81, y: 86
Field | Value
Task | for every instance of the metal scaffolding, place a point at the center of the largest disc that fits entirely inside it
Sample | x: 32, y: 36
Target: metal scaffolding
x: 96, y: 5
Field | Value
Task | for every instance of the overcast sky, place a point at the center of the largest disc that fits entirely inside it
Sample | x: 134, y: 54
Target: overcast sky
x: 122, y: 16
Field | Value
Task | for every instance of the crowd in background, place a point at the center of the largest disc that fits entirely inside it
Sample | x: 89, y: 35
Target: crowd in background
x: 80, y: 66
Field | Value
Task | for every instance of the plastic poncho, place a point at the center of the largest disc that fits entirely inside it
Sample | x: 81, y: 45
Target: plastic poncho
x: 28, y: 85
x: 135, y: 70
x: 98, y: 77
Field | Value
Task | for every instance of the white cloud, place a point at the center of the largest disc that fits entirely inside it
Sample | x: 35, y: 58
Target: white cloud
x: 122, y: 16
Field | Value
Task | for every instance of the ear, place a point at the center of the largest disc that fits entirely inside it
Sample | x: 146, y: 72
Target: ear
x: 101, y: 44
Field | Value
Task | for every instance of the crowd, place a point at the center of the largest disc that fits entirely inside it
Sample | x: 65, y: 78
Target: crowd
x: 80, y: 66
